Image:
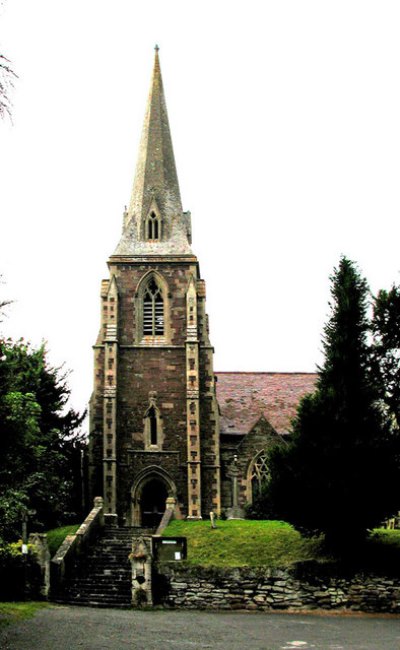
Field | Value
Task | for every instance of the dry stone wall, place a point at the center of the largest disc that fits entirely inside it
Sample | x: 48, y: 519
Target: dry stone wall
x: 265, y: 589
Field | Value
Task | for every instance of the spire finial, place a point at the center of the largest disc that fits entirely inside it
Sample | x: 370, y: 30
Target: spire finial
x: 156, y: 48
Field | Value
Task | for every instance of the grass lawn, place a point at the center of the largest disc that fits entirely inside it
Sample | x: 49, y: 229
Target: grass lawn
x: 390, y: 539
x: 277, y: 544
x: 382, y: 551
x: 14, y: 612
x: 244, y: 543
x: 56, y: 536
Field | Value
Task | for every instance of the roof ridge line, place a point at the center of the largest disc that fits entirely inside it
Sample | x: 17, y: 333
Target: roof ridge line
x: 265, y: 372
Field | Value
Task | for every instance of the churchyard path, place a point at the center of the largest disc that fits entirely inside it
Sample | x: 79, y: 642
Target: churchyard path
x: 75, y: 628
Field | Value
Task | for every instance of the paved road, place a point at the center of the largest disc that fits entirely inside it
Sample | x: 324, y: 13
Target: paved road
x: 69, y: 628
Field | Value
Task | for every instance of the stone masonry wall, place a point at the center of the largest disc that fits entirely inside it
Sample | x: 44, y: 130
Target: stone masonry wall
x: 157, y: 368
x: 262, y: 437
x: 268, y: 589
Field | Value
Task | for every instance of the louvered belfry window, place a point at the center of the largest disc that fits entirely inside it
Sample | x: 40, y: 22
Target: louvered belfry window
x: 153, y: 310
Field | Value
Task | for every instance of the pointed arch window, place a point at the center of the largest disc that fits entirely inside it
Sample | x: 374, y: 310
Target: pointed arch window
x: 259, y: 474
x: 152, y: 425
x: 153, y: 310
x: 153, y: 227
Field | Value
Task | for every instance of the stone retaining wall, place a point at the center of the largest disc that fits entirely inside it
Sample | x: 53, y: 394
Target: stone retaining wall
x: 300, y: 587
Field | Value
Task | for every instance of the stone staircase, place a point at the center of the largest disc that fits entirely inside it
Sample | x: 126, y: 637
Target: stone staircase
x: 103, y: 577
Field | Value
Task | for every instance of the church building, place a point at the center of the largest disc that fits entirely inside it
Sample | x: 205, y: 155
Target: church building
x: 163, y: 423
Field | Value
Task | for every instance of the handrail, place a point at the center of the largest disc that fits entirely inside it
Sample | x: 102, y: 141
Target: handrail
x: 74, y: 545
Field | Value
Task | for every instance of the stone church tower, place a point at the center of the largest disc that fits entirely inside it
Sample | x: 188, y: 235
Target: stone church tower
x: 154, y: 429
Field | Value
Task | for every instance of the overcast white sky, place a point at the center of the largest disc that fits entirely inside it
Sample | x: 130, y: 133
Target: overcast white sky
x: 285, y: 118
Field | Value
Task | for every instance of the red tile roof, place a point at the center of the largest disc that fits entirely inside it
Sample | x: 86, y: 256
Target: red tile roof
x: 244, y: 396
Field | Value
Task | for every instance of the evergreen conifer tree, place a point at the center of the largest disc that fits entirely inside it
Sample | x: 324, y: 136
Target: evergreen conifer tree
x: 340, y: 473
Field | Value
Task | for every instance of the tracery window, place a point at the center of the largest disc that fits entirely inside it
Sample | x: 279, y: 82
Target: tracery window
x: 259, y: 476
x: 153, y: 227
x: 153, y: 310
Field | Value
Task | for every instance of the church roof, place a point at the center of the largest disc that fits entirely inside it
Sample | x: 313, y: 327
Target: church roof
x: 156, y: 184
x: 244, y: 396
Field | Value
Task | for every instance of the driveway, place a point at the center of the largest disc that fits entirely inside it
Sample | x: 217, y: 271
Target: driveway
x: 70, y: 628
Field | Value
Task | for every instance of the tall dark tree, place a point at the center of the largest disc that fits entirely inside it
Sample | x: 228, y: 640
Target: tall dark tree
x: 340, y: 473
x: 40, y: 440
x: 386, y: 349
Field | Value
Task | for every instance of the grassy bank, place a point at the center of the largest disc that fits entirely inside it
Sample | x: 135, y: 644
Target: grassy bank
x: 15, y: 612
x: 56, y: 536
x: 244, y: 543
x: 277, y: 544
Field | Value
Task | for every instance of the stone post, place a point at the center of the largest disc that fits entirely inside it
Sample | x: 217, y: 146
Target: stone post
x: 42, y: 557
x: 141, y: 559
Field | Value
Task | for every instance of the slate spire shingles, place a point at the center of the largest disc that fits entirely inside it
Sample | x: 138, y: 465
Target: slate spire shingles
x: 156, y: 171
x: 156, y: 183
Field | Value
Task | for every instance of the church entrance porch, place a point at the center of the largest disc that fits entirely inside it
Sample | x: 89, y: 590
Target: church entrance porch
x: 149, y: 494
x: 152, y: 503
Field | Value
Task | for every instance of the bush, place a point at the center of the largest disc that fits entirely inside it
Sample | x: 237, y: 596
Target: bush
x: 261, y: 508
x: 20, y: 576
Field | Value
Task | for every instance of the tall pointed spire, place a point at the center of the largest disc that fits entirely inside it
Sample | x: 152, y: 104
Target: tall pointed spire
x: 155, y: 188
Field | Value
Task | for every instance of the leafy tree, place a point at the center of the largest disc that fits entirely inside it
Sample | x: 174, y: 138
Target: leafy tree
x: 40, y: 440
x: 340, y: 473
x: 12, y: 504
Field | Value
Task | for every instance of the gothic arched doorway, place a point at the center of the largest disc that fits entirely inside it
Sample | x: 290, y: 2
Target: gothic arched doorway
x: 149, y: 492
x: 152, y: 502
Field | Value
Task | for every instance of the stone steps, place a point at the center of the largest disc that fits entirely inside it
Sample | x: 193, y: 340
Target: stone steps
x: 103, y: 577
